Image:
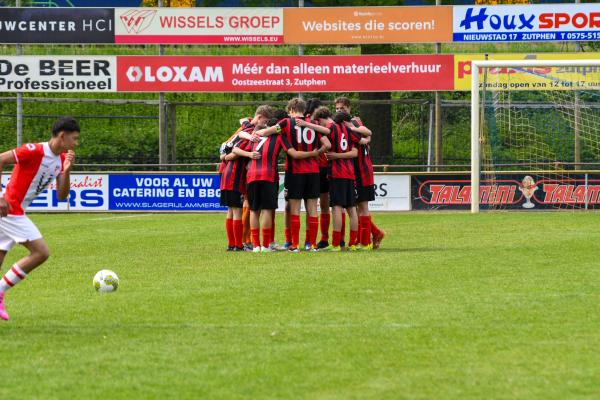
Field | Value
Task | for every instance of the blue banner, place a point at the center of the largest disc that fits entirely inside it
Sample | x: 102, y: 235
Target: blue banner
x: 164, y: 192
x: 526, y: 23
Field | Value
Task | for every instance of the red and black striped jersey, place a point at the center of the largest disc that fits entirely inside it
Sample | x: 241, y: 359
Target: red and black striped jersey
x: 363, y: 168
x: 302, y: 138
x: 323, y: 157
x: 233, y: 176
x: 265, y: 168
x: 233, y: 140
x: 341, y: 143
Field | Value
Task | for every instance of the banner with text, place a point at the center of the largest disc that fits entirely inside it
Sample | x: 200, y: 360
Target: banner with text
x: 56, y: 25
x: 57, y: 74
x: 330, y: 25
x: 89, y: 192
x: 164, y: 192
x: 528, y: 23
x: 518, y: 191
x: 392, y: 193
x: 285, y: 73
x: 205, y: 25
x: 538, y: 78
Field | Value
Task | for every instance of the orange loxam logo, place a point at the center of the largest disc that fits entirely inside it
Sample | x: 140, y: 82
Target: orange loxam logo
x: 136, y: 21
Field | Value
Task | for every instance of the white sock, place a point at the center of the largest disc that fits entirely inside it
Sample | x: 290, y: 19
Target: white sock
x: 11, y: 278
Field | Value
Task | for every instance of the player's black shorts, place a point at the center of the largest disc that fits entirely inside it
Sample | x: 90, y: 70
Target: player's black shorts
x: 262, y: 195
x: 324, y: 180
x: 342, y: 192
x: 365, y: 193
x: 231, y: 198
x: 302, y: 186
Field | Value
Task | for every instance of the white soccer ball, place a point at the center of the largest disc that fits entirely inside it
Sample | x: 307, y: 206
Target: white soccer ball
x: 106, y: 281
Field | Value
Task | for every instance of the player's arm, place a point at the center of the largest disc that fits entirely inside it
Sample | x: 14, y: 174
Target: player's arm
x: 317, y: 128
x: 6, y: 158
x: 272, y: 130
x: 231, y: 156
x: 300, y: 155
x: 338, y: 156
x: 363, y: 130
x: 254, y: 155
x: 365, y: 140
x: 63, y: 182
x: 325, y: 145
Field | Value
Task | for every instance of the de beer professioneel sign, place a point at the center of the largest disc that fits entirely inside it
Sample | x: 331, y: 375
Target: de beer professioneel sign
x: 58, y: 74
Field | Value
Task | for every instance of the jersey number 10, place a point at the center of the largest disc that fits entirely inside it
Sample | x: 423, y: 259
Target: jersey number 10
x: 305, y: 135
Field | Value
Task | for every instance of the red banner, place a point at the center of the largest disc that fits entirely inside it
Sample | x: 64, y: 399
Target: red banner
x: 285, y: 73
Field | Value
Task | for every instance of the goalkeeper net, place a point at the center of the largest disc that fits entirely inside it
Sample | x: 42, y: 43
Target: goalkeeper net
x: 535, y: 134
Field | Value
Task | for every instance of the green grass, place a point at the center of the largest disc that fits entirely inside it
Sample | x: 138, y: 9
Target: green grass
x: 454, y: 306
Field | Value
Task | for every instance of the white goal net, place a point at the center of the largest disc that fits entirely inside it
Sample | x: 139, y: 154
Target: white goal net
x: 535, y: 134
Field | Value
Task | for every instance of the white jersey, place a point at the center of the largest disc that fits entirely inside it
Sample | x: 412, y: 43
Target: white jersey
x: 36, y: 167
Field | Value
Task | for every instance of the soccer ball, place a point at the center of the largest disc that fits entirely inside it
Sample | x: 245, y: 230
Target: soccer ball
x: 106, y: 281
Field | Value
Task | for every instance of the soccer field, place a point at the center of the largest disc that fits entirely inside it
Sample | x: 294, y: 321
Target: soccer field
x: 453, y: 306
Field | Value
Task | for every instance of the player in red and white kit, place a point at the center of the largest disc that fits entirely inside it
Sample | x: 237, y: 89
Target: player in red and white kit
x: 36, y: 166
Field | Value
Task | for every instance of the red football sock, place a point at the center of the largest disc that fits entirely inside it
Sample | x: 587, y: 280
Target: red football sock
x: 229, y: 229
x: 288, y: 235
x: 343, y: 231
x: 295, y: 228
x: 313, y: 228
x: 238, y: 232
x: 374, y: 229
x: 307, y: 234
x: 365, y: 230
x: 337, y: 237
x: 353, y: 238
x: 255, y: 237
x: 266, y: 236
x: 325, y: 227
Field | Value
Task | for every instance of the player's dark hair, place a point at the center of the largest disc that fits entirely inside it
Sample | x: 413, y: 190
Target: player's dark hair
x: 343, y: 101
x: 272, y: 122
x: 264, y: 111
x: 280, y: 114
x: 297, y: 105
x: 341, y: 116
x: 312, y: 105
x: 66, y: 124
x: 322, y: 112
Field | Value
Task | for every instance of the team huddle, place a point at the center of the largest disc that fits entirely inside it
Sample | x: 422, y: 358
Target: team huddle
x: 327, y: 165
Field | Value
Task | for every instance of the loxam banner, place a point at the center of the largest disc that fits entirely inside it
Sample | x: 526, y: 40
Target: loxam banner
x: 56, y: 25
x: 285, y: 73
x: 528, y: 23
x: 538, y: 78
x: 58, y: 74
x: 204, y: 25
x: 516, y: 191
x: 342, y: 25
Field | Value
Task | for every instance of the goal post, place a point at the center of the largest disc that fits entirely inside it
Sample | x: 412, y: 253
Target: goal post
x: 524, y: 111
